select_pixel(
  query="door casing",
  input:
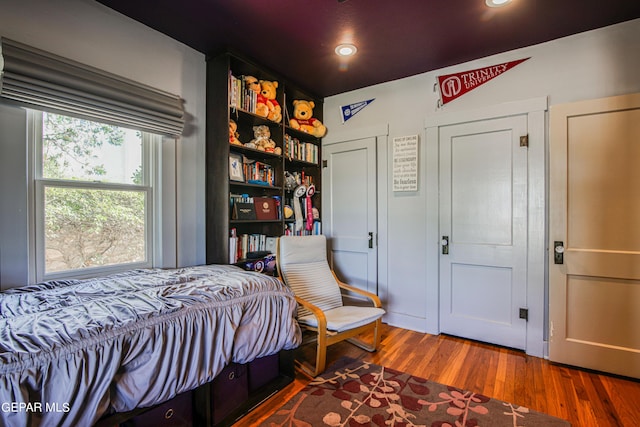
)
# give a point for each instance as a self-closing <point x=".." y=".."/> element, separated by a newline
<point x="350" y="211"/>
<point x="483" y="221"/>
<point x="537" y="300"/>
<point x="595" y="291"/>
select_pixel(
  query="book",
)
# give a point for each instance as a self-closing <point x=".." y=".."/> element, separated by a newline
<point x="248" y="245"/>
<point x="244" y="211"/>
<point x="270" y="244"/>
<point x="265" y="208"/>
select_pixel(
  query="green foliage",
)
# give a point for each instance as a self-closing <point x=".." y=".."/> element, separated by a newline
<point x="69" y="144"/>
<point x="137" y="176"/>
<point x="87" y="227"/>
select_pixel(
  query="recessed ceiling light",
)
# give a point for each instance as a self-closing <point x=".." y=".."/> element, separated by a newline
<point x="346" y="49"/>
<point x="497" y="3"/>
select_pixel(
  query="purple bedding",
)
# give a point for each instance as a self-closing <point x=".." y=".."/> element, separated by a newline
<point x="72" y="351"/>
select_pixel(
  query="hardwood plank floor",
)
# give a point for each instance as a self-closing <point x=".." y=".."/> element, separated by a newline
<point x="582" y="397"/>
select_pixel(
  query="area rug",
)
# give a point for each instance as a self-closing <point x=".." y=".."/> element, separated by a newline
<point x="364" y="394"/>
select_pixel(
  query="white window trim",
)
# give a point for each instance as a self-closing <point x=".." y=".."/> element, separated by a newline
<point x="151" y="158"/>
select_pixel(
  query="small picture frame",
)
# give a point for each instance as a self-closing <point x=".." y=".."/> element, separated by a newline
<point x="236" y="172"/>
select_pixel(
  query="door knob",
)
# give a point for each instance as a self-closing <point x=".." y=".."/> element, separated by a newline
<point x="370" y="240"/>
<point x="558" y="252"/>
<point x="445" y="245"/>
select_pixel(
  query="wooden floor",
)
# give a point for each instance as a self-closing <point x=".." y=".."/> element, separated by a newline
<point x="584" y="398"/>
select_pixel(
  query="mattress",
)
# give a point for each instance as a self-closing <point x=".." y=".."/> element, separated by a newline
<point x="73" y="351"/>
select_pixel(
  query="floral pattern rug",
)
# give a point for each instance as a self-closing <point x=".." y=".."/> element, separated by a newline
<point x="364" y="394"/>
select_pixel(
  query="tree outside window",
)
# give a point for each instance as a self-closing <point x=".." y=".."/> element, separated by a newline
<point x="95" y="194"/>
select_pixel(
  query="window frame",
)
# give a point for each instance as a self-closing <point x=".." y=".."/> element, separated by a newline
<point x="150" y="187"/>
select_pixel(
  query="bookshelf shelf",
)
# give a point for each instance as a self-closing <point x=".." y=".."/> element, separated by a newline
<point x="302" y="160"/>
<point x="254" y="153"/>
<point x="254" y="186"/>
<point x="254" y="221"/>
<point x="301" y="163"/>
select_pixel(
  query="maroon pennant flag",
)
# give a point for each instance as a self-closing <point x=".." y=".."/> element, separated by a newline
<point x="455" y="85"/>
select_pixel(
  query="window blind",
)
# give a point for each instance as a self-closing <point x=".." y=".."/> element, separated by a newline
<point x="41" y="80"/>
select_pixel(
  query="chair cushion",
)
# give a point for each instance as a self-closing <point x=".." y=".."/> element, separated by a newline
<point x="302" y="249"/>
<point x="346" y="317"/>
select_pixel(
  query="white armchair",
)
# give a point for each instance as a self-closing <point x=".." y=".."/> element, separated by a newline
<point x="303" y="266"/>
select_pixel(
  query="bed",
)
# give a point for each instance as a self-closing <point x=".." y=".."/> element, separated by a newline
<point x="73" y="352"/>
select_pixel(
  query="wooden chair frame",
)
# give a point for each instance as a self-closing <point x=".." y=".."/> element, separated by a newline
<point x="326" y="338"/>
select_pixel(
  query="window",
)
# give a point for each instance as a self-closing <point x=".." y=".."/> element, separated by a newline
<point x="93" y="196"/>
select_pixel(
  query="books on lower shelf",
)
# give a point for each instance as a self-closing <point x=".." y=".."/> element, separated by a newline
<point x="239" y="245"/>
<point x="259" y="173"/>
<point x="290" y="230"/>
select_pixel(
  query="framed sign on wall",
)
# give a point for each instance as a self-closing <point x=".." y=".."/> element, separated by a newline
<point x="405" y="163"/>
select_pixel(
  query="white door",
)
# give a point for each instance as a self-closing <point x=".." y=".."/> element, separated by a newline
<point x="483" y="224"/>
<point x="349" y="210"/>
<point x="594" y="213"/>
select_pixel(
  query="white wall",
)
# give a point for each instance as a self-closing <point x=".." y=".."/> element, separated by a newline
<point x="90" y="33"/>
<point x="599" y="63"/>
<point x="595" y="64"/>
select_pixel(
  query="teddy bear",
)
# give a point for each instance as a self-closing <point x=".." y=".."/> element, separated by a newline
<point x="233" y="133"/>
<point x="253" y="84"/>
<point x="263" y="141"/>
<point x="304" y="121"/>
<point x="268" y="92"/>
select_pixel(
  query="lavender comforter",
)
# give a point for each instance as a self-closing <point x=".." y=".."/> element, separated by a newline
<point x="72" y="351"/>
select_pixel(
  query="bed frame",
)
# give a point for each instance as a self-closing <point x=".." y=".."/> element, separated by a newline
<point x="220" y="403"/>
<point x="111" y="357"/>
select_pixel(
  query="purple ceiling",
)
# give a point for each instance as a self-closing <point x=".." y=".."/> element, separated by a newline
<point x="395" y="38"/>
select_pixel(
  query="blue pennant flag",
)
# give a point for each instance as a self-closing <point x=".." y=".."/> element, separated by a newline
<point x="351" y="110"/>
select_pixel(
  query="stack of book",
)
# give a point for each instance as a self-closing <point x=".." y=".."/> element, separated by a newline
<point x="239" y="245"/>
<point x="241" y="97"/>
<point x="298" y="150"/>
<point x="259" y="173"/>
<point x="291" y="231"/>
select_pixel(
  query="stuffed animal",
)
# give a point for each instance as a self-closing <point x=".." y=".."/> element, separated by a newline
<point x="303" y="119"/>
<point x="233" y="134"/>
<point x="253" y="84"/>
<point x="268" y="92"/>
<point x="263" y="141"/>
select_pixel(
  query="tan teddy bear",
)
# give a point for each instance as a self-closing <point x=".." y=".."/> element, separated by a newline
<point x="268" y="92"/>
<point x="303" y="120"/>
<point x="263" y="141"/>
<point x="233" y="134"/>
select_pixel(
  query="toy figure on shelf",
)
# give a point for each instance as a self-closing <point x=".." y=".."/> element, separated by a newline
<point x="268" y="92"/>
<point x="233" y="133"/>
<point x="304" y="121"/>
<point x="263" y="141"/>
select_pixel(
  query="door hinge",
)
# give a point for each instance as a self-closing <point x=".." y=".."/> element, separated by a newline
<point x="324" y="163"/>
<point x="524" y="314"/>
<point x="524" y="141"/>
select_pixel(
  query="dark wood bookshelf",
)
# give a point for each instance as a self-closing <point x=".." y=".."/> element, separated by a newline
<point x="219" y="187"/>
